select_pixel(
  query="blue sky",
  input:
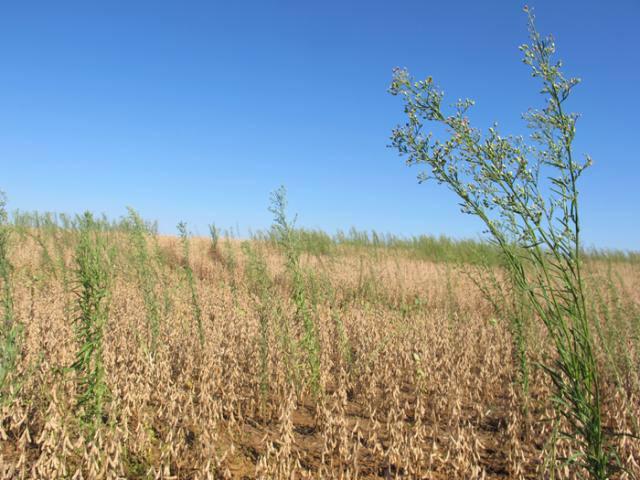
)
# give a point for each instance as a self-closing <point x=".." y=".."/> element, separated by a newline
<point x="196" y="110"/>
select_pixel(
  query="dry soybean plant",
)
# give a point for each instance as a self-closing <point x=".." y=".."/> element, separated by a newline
<point x="414" y="375"/>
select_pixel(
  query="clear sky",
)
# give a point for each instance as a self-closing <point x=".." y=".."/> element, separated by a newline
<point x="196" y="110"/>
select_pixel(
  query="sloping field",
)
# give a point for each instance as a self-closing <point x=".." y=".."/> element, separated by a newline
<point x="363" y="362"/>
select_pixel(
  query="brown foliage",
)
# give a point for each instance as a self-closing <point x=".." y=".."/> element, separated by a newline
<point x="426" y="391"/>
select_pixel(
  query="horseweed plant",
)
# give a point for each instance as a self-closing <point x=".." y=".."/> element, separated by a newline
<point x="61" y="241"/>
<point x="195" y="301"/>
<point x="146" y="276"/>
<point x="214" y="233"/>
<point x="93" y="265"/>
<point x="511" y="303"/>
<point x="260" y="283"/>
<point x="285" y="234"/>
<point x="526" y="195"/>
<point x="10" y="335"/>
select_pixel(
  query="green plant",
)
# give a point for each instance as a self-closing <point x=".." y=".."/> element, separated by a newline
<point x="61" y="240"/>
<point x="344" y="348"/>
<point x="259" y="282"/>
<point x="214" y="233"/>
<point x="195" y="301"/>
<point x="509" y="303"/>
<point x="43" y="226"/>
<point x="11" y="331"/>
<point x="93" y="283"/>
<point x="285" y="234"/>
<point x="616" y="322"/>
<point x="146" y="274"/>
<point x="526" y="195"/>
<point x="160" y="259"/>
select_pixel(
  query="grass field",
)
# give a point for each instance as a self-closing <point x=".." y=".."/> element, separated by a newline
<point x="354" y="356"/>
